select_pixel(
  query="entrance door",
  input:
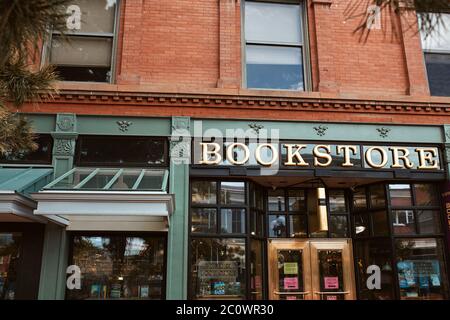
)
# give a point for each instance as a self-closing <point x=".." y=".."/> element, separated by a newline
<point x="311" y="270"/>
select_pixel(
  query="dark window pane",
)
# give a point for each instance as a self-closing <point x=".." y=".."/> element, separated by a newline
<point x="121" y="151"/>
<point x="426" y="195"/>
<point x="218" y="268"/>
<point x="232" y="220"/>
<point x="257" y="269"/>
<point x="438" y="69"/>
<point x="400" y="195"/>
<point x="375" y="252"/>
<point x="337" y="201"/>
<point x="429" y="222"/>
<point x="297" y="226"/>
<point x="421" y="269"/>
<point x="276" y="200"/>
<point x="359" y="199"/>
<point x="204" y="220"/>
<point x="290" y="273"/>
<point x="377" y="196"/>
<point x="257" y="223"/>
<point x="403" y="222"/>
<point x="87" y="74"/>
<point x="362" y="225"/>
<point x="43" y="154"/>
<point x="338" y="226"/>
<point x="119" y="267"/>
<point x="277" y="226"/>
<point x="10" y="248"/>
<point x="380" y="223"/>
<point x="270" y="67"/>
<point x="296" y="200"/>
<point x="232" y="193"/>
<point x="204" y="192"/>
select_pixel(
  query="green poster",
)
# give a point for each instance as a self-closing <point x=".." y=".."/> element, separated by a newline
<point x="290" y="268"/>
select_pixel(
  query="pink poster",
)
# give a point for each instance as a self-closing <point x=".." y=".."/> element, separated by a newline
<point x="291" y="283"/>
<point x="291" y="298"/>
<point x="331" y="282"/>
<point x="331" y="297"/>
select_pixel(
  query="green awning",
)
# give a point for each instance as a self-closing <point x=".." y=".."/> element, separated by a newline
<point x="24" y="180"/>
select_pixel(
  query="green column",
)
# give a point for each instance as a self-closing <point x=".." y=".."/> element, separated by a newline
<point x="64" y="139"/>
<point x="56" y="247"/>
<point x="177" y="249"/>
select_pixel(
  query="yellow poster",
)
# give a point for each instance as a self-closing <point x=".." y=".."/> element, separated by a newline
<point x="290" y="268"/>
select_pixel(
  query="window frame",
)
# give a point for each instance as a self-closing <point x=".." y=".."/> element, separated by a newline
<point x="304" y="45"/>
<point x="46" y="48"/>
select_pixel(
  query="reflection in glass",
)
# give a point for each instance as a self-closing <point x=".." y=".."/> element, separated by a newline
<point x="277" y="226"/>
<point x="297" y="226"/>
<point x="296" y="200"/>
<point x="426" y="195"/>
<point x="338" y="226"/>
<point x="377" y="196"/>
<point x="403" y="222"/>
<point x="421" y="269"/>
<point x="119" y="267"/>
<point x="375" y="252"/>
<point x="359" y="199"/>
<point x="429" y="222"/>
<point x="331" y="274"/>
<point x="337" y="201"/>
<point x="10" y="244"/>
<point x="361" y="223"/>
<point x="204" y="220"/>
<point x="290" y="273"/>
<point x="438" y="70"/>
<point x="232" y="193"/>
<point x="276" y="200"/>
<point x="218" y="268"/>
<point x="232" y="220"/>
<point x="204" y="192"/>
<point x="400" y="195"/>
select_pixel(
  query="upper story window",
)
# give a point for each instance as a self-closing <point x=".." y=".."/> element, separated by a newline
<point x="87" y="55"/>
<point x="436" y="46"/>
<point x="121" y="151"/>
<point x="274" y="45"/>
<point x="42" y="155"/>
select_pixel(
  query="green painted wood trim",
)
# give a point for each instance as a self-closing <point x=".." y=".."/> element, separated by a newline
<point x="42" y="123"/>
<point x="389" y="133"/>
<point x="123" y="126"/>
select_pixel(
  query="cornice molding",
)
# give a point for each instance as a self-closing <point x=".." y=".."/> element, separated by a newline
<point x="248" y="102"/>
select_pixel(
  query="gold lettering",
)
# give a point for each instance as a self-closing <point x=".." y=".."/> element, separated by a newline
<point x="295" y="154"/>
<point x="322" y="155"/>
<point x="396" y="157"/>
<point x="206" y="153"/>
<point x="230" y="153"/>
<point x="383" y="154"/>
<point x="346" y="150"/>
<point x="427" y="158"/>
<point x="274" y="154"/>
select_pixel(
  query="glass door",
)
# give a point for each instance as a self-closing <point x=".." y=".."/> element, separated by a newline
<point x="311" y="270"/>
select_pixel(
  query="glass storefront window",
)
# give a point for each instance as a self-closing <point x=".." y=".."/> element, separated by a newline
<point x="10" y="247"/>
<point x="337" y="201"/>
<point x="298" y="226"/>
<point x="277" y="226"/>
<point x="362" y="225"/>
<point x="204" y="192"/>
<point x="359" y="199"/>
<point x="338" y="226"/>
<point x="426" y="195"/>
<point x="296" y="200"/>
<point x="375" y="252"/>
<point x="218" y="268"/>
<point x="119" y="267"/>
<point x="377" y="196"/>
<point x="429" y="221"/>
<point x="232" y="193"/>
<point x="403" y="222"/>
<point x="290" y="273"/>
<point x="400" y="195"/>
<point x="232" y="220"/>
<point x="380" y="225"/>
<point x="276" y="200"/>
<point x="421" y="269"/>
<point x="204" y="220"/>
<point x="331" y="273"/>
